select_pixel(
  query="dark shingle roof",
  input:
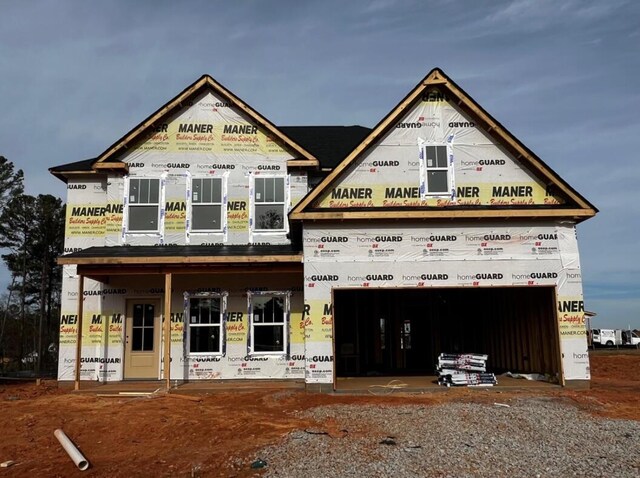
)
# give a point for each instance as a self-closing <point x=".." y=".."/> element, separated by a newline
<point x="187" y="251"/>
<point x="329" y="144"/>
<point x="84" y="165"/>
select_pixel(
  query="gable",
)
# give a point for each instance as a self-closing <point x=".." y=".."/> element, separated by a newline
<point x="487" y="167"/>
<point x="205" y="118"/>
<point x="212" y="134"/>
<point x="389" y="173"/>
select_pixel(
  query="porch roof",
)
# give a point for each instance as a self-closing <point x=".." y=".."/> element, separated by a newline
<point x="100" y="262"/>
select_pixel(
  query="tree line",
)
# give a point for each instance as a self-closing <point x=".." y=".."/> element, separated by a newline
<point x="31" y="239"/>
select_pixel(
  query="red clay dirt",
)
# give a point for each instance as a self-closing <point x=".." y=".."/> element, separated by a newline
<point x="173" y="436"/>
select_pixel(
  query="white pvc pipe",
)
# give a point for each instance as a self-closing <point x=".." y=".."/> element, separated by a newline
<point x="77" y="457"/>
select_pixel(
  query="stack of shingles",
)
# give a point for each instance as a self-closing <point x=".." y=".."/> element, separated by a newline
<point x="464" y="370"/>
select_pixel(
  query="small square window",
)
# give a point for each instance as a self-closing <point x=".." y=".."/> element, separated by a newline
<point x="438" y="176"/>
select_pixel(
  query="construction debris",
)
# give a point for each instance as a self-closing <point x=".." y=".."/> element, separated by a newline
<point x="259" y="463"/>
<point x="464" y="370"/>
<point x="78" y="458"/>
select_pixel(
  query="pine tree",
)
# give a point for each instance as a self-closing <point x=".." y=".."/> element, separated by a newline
<point x="11" y="187"/>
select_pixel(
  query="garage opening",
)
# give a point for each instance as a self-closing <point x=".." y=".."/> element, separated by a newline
<point x="401" y="332"/>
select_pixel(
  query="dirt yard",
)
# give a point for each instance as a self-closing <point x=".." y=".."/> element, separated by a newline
<point x="177" y="436"/>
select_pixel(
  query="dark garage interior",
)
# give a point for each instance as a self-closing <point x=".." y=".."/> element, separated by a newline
<point x="401" y="332"/>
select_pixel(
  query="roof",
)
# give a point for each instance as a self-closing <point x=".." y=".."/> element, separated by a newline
<point x="203" y="83"/>
<point x="108" y="159"/>
<point x="100" y="263"/>
<point x="183" y="254"/>
<point x="436" y="78"/>
<point x="78" y="167"/>
<point x="84" y="165"/>
<point x="330" y="144"/>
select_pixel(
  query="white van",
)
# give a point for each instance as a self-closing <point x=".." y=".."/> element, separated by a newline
<point x="629" y="337"/>
<point x="611" y="337"/>
<point x="606" y="337"/>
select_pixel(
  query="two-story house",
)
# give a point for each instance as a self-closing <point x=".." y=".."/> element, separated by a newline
<point x="317" y="253"/>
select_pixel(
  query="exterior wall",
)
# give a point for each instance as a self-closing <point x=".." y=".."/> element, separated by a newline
<point x="208" y="138"/>
<point x="390" y="174"/>
<point x="86" y="221"/>
<point x="461" y="255"/>
<point x="104" y="327"/>
<point x="231" y="147"/>
<point x="97" y="207"/>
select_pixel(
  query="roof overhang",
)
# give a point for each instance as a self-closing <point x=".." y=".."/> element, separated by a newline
<point x="100" y="263"/>
<point x="576" y="215"/>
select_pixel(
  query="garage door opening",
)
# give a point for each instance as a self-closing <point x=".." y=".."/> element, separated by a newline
<point x="401" y="332"/>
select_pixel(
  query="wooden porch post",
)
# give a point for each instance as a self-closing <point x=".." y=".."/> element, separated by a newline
<point x="167" y="329"/>
<point x="79" y="337"/>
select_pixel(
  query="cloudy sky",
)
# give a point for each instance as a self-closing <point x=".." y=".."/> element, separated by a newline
<point x="560" y="75"/>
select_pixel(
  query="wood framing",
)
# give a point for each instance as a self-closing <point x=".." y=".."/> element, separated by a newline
<point x="167" y="330"/>
<point x="295" y="258"/>
<point x="112" y="166"/>
<point x="79" y="335"/>
<point x="103" y="273"/>
<point x="336" y="214"/>
<point x="307" y="208"/>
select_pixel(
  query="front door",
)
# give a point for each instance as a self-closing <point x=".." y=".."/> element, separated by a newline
<point x="142" y="344"/>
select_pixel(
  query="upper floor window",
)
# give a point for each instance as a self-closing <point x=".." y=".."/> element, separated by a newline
<point x="437" y="170"/>
<point x="206" y="205"/>
<point x="269" y="204"/>
<point x="144" y="205"/>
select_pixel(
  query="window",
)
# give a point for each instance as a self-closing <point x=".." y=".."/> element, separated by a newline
<point x="436" y="169"/>
<point x="206" y="325"/>
<point x="144" y="205"/>
<point x="269" y="323"/>
<point x="206" y="205"/>
<point x="269" y="204"/>
<point x="142" y="328"/>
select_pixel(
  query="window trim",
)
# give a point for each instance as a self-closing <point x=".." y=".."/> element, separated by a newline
<point x="285" y="203"/>
<point x="128" y="204"/>
<point x="424" y="169"/>
<point x="223" y="206"/>
<point x="222" y="325"/>
<point x="285" y="324"/>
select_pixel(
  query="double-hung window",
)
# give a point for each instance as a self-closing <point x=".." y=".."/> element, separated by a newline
<point x="269" y="203"/>
<point x="144" y="205"/>
<point x="205" y="332"/>
<point x="206" y="205"/>
<point x="269" y="331"/>
<point x="438" y="176"/>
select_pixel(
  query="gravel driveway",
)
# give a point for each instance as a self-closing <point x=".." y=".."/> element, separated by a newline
<point x="533" y="437"/>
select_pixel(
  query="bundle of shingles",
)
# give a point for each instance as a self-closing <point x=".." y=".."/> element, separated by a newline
<point x="464" y="370"/>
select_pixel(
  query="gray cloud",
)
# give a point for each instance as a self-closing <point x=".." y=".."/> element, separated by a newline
<point x="561" y="75"/>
